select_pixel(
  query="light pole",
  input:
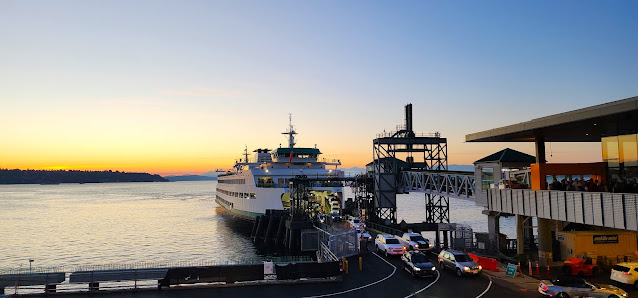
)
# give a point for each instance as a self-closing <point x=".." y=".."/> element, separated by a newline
<point x="30" y="261"/>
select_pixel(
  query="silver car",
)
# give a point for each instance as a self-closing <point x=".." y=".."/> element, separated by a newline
<point x="577" y="287"/>
<point x="458" y="261"/>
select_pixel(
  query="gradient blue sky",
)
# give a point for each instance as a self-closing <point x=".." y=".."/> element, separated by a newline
<point x="175" y="87"/>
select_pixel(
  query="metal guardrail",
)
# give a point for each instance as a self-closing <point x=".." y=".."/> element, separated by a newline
<point x="122" y="272"/>
<point x="341" y="244"/>
<point x="451" y="184"/>
<point x="612" y="210"/>
<point x="383" y="229"/>
<point x="326" y="254"/>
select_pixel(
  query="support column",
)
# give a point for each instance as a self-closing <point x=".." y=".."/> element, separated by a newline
<point x="545" y="241"/>
<point x="94" y="286"/>
<point x="48" y="289"/>
<point x="445" y="243"/>
<point x="520" y="234"/>
<point x="540" y="149"/>
<point x="493" y="228"/>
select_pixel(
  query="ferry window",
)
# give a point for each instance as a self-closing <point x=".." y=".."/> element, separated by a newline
<point x="252" y="195"/>
<point x="280" y="180"/>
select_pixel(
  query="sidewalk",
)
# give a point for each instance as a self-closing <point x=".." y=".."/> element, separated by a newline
<point x="520" y="283"/>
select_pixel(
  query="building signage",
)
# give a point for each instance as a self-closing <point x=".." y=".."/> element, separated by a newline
<point x="605" y="239"/>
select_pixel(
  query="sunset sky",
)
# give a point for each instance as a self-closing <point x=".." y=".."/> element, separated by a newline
<point x="177" y="87"/>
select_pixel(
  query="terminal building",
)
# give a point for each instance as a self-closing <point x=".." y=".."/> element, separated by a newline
<point x="576" y="208"/>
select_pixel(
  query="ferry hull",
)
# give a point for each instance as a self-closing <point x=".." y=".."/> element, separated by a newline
<point x="245" y="215"/>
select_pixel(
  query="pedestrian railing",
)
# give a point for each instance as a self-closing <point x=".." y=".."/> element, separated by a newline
<point x="612" y="210"/>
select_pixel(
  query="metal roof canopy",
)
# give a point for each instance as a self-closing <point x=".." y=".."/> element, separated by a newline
<point x="583" y="125"/>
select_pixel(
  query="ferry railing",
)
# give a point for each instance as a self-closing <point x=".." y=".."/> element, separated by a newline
<point x="311" y="184"/>
<point x="388" y="134"/>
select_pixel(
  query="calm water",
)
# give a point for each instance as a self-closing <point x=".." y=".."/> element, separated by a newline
<point x="411" y="208"/>
<point x="93" y="224"/>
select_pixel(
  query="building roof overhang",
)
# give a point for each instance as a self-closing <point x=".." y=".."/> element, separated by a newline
<point x="583" y="125"/>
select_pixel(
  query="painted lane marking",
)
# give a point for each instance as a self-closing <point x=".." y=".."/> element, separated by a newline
<point x="394" y="269"/>
<point x="421" y="290"/>
<point x="488" y="287"/>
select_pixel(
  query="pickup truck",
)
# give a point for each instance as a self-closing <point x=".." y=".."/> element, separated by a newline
<point x="414" y="241"/>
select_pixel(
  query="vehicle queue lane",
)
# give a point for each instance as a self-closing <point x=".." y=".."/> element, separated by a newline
<point x="379" y="277"/>
<point x="450" y="285"/>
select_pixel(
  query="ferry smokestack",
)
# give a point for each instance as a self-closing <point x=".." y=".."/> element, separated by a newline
<point x="408" y="117"/>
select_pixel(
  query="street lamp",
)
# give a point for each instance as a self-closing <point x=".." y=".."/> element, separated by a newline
<point x="30" y="261"/>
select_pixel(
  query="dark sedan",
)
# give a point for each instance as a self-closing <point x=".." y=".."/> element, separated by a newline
<point x="417" y="264"/>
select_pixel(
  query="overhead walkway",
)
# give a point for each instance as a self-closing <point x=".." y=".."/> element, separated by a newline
<point x="454" y="184"/>
<point x="611" y="210"/>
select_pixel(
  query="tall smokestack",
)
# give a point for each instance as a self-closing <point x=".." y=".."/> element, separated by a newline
<point x="408" y="117"/>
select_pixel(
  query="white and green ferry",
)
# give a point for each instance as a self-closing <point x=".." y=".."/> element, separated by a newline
<point x="262" y="182"/>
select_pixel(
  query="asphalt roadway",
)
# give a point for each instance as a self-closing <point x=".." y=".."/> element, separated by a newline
<point x="379" y="277"/>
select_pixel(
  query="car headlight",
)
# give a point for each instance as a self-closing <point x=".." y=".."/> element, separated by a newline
<point x="417" y="269"/>
<point x="433" y="268"/>
<point x="466" y="268"/>
<point x="416" y="246"/>
<point x="480" y="267"/>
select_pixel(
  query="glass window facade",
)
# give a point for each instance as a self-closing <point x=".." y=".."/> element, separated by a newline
<point x="621" y="155"/>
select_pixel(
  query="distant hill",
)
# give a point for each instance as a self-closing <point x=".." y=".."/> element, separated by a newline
<point x="190" y="178"/>
<point x="214" y="173"/>
<point x="16" y="176"/>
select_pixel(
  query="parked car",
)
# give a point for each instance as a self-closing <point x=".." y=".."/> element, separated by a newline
<point x="458" y="261"/>
<point x="366" y="235"/>
<point x="417" y="264"/>
<point x="625" y="273"/>
<point x="414" y="241"/>
<point x="577" y="287"/>
<point x="388" y="244"/>
<point x="579" y="266"/>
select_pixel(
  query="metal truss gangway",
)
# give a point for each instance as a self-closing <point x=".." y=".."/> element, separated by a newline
<point x="453" y="184"/>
